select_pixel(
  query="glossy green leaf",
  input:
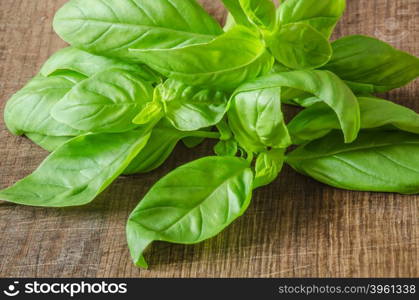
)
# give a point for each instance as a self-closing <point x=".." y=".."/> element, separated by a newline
<point x="214" y="65"/>
<point x="318" y="120"/>
<point x="300" y="46"/>
<point x="47" y="142"/>
<point x="106" y="102"/>
<point x="191" y="108"/>
<point x="380" y="161"/>
<point x="295" y="97"/>
<point x="163" y="139"/>
<point x="262" y="13"/>
<point x="28" y="111"/>
<point x="307" y="102"/>
<point x="236" y="15"/>
<point x="301" y="100"/>
<point x="226" y="148"/>
<point x="370" y="65"/>
<point x="192" y="142"/>
<point x="321" y="14"/>
<point x="229" y="23"/>
<point x="111" y="27"/>
<point x="279" y="68"/>
<point x="268" y="166"/>
<point x="73" y="59"/>
<point x="78" y="171"/>
<point x="325" y="86"/>
<point x="191" y="204"/>
<point x="256" y="119"/>
<point x="224" y="130"/>
<point x="160" y="145"/>
<point x="152" y="111"/>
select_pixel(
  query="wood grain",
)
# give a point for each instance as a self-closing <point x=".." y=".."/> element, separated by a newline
<point x="294" y="227"/>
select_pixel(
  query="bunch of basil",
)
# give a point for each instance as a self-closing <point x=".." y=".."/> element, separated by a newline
<point x="142" y="75"/>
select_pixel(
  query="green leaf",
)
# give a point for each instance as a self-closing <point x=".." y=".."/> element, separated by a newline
<point x="78" y="171"/>
<point x="318" y="120"/>
<point x="229" y="23"/>
<point x="193" y="203"/>
<point x="295" y="97"/>
<point x="261" y="13"/>
<point x="370" y="65"/>
<point x="256" y="119"/>
<point x="279" y="68"/>
<point x="224" y="130"/>
<point x="28" y="111"/>
<point x="226" y="148"/>
<point x="111" y="27"/>
<point x="322" y="15"/>
<point x="213" y="65"/>
<point x="236" y="15"/>
<point x="152" y="111"/>
<point x="163" y="139"/>
<point x="325" y="86"/>
<point x="73" y="59"/>
<point x="300" y="46"/>
<point x="380" y="161"/>
<point x="106" y="102"/>
<point x="191" y="108"/>
<point x="160" y="145"/>
<point x="306" y="102"/>
<point x="192" y="142"/>
<point x="47" y="142"/>
<point x="268" y="166"/>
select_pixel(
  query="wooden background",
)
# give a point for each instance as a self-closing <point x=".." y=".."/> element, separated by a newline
<point x="295" y="227"/>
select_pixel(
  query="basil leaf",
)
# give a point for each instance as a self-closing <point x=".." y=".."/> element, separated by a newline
<point x="226" y="148"/>
<point x="307" y="102"/>
<point x="111" y="27"/>
<point x="214" y="65"/>
<point x="47" y="142"/>
<point x="106" y="102"/>
<point x="256" y="119"/>
<point x="300" y="46"/>
<point x="322" y="15"/>
<point x="371" y="64"/>
<point x="73" y="59"/>
<point x="229" y="23"/>
<point x="279" y="68"/>
<point x="268" y="166"/>
<point x="236" y="15"/>
<point x="78" y="171"/>
<point x="28" y="111"/>
<point x="163" y="139"/>
<point x="191" y="108"/>
<point x="261" y="13"/>
<point x="192" y="142"/>
<point x="325" y="86"/>
<point x="224" y="130"/>
<point x="191" y="204"/>
<point x="59" y="76"/>
<point x="318" y="120"/>
<point x="250" y="13"/>
<point x="160" y="145"/>
<point x="379" y="161"/>
<point x="152" y="111"/>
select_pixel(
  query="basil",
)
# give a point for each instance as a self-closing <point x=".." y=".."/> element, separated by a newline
<point x="142" y="75"/>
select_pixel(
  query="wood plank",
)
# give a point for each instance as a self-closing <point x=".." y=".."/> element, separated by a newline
<point x="294" y="227"/>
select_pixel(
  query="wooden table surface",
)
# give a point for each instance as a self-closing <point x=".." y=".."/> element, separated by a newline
<point x="295" y="227"/>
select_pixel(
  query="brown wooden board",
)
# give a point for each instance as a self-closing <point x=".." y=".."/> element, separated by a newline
<point x="294" y="227"/>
